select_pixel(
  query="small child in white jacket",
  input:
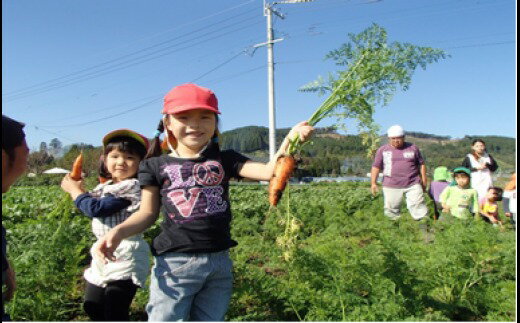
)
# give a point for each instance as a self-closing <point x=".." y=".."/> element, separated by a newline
<point x="111" y="287"/>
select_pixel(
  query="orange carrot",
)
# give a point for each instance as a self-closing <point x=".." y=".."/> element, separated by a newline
<point x="77" y="167"/>
<point x="283" y="170"/>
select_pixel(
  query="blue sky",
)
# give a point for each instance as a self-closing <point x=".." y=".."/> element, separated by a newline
<point x="76" y="70"/>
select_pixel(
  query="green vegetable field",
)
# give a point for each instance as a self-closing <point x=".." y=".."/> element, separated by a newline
<point x="326" y="253"/>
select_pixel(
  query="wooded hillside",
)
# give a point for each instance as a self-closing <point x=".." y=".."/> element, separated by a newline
<point x="328" y="154"/>
<point x="333" y="154"/>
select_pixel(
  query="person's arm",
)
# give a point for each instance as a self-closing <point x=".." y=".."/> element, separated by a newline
<point x="505" y="204"/>
<point x="467" y="163"/>
<point x="100" y="207"/>
<point x="10" y="283"/>
<point x="74" y="188"/>
<point x="443" y="198"/>
<point x="136" y="223"/>
<point x="263" y="172"/>
<point x="476" y="205"/>
<point x="493" y="166"/>
<point x="374" y="174"/>
<point x="424" y="179"/>
<point x="429" y="191"/>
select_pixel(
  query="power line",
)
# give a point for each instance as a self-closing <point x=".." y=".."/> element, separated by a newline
<point x="225" y="78"/>
<point x="104" y="109"/>
<point x="115" y="68"/>
<point x="140" y="106"/>
<point x="439" y="8"/>
<point x="217" y="67"/>
<point x="192" y="22"/>
<point x="483" y="44"/>
<point x="127" y="55"/>
<point x="81" y="76"/>
<point x="156" y="98"/>
<point x="55" y="134"/>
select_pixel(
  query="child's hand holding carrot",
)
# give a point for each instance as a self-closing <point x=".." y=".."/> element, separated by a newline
<point x="302" y="130"/>
<point x="284" y="162"/>
<point x="73" y="187"/>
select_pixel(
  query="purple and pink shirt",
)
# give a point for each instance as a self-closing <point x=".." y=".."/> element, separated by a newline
<point x="194" y="198"/>
<point x="400" y="166"/>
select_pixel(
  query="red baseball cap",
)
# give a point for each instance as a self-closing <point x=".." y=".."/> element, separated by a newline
<point x="126" y="133"/>
<point x="189" y="96"/>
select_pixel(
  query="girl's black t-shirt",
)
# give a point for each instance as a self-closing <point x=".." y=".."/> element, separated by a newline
<point x="195" y="199"/>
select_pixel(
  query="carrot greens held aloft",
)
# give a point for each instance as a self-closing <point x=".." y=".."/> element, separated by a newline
<point x="373" y="71"/>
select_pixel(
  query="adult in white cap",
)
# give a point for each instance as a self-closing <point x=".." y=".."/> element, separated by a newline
<point x="404" y="174"/>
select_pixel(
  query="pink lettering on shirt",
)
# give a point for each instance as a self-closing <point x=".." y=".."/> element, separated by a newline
<point x="175" y="175"/>
<point x="185" y="195"/>
<point x="183" y="204"/>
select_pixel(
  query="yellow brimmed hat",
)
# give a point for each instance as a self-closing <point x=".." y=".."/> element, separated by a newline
<point x="126" y="133"/>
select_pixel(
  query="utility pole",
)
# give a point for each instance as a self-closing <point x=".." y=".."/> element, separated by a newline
<point x="269" y="10"/>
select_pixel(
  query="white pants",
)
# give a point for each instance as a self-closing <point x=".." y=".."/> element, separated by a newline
<point x="414" y="201"/>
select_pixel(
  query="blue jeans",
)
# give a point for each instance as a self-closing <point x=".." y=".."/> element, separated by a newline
<point x="190" y="286"/>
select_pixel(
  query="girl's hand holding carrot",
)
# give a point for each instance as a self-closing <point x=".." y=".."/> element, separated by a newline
<point x="302" y="130"/>
<point x="73" y="187"/>
<point x="285" y="162"/>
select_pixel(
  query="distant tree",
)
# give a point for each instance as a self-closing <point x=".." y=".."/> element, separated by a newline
<point x="43" y="146"/>
<point x="90" y="158"/>
<point x="39" y="161"/>
<point x="55" y="146"/>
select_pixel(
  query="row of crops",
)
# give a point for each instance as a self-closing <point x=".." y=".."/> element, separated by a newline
<point x="326" y="253"/>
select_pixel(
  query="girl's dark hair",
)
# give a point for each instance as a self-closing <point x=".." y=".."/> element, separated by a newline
<point x="155" y="145"/>
<point x="499" y="191"/>
<point x="12" y="136"/>
<point x="478" y="140"/>
<point x="123" y="144"/>
<point x="154" y="149"/>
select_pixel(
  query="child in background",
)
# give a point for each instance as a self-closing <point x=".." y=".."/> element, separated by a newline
<point x="441" y="180"/>
<point x="459" y="200"/>
<point x="192" y="277"/>
<point x="509" y="200"/>
<point x="489" y="205"/>
<point x="111" y="287"/>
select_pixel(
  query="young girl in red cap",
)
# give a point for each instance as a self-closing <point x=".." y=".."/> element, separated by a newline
<point x="192" y="276"/>
<point x="111" y="287"/>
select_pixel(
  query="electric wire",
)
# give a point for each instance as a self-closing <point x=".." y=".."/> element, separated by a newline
<point x="73" y="79"/>
<point x="127" y="55"/>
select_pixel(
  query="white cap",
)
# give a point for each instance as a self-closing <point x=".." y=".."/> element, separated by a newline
<point x="395" y="131"/>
